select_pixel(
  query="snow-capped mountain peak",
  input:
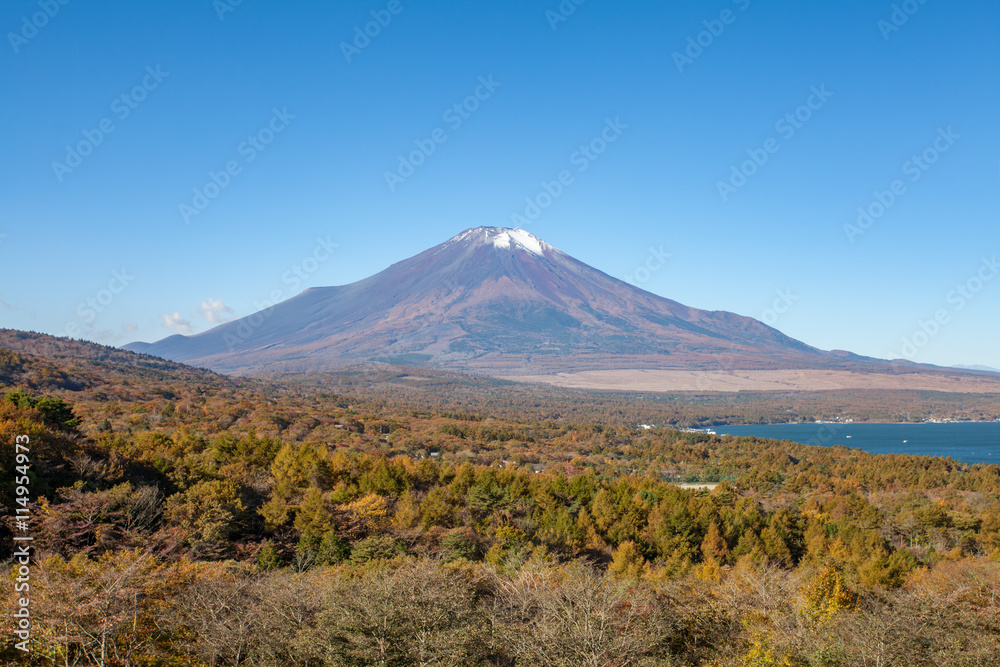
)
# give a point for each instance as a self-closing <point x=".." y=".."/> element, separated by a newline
<point x="494" y="300"/>
<point x="505" y="237"/>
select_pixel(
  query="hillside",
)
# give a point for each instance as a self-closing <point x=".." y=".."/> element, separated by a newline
<point x="43" y="361"/>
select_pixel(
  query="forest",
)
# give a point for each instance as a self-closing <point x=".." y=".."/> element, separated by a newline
<point x="181" y="517"/>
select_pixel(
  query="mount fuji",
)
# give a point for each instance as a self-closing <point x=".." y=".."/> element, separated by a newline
<point x="496" y="301"/>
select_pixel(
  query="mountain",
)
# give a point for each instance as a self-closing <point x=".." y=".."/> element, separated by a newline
<point x="496" y="301"/>
<point x="977" y="367"/>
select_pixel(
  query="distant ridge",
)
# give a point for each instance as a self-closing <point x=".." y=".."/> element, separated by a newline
<point x="977" y="367"/>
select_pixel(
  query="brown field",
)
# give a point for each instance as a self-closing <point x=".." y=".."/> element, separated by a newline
<point x="772" y="380"/>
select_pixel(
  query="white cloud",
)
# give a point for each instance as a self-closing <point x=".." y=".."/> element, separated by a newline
<point x="129" y="327"/>
<point x="215" y="311"/>
<point x="4" y="305"/>
<point x="177" y="323"/>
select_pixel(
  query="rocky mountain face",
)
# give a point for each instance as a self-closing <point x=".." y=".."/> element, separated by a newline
<point x="497" y="301"/>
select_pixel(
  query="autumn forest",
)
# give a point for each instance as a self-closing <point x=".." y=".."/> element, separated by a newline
<point x="385" y="516"/>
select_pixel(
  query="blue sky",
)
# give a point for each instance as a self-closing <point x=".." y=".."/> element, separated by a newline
<point x="114" y="243"/>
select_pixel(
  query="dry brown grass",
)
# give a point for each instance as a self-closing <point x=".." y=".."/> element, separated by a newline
<point x="771" y="380"/>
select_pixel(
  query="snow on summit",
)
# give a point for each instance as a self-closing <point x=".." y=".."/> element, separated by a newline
<point x="519" y="237"/>
<point x="504" y="237"/>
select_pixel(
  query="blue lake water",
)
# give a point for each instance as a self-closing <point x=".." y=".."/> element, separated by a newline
<point x="969" y="442"/>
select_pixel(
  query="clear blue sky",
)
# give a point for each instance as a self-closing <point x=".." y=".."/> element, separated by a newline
<point x="196" y="86"/>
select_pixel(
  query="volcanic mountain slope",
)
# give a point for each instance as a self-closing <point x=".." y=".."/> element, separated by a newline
<point x="497" y="301"/>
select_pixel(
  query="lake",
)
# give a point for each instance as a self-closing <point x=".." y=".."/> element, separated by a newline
<point x="970" y="442"/>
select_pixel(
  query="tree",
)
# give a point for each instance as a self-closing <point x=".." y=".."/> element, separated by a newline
<point x="557" y="529"/>
<point x="207" y="514"/>
<point x="628" y="562"/>
<point x="749" y="545"/>
<point x="297" y="466"/>
<point x="105" y="611"/>
<point x="313" y="515"/>
<point x="368" y="514"/>
<point x="774" y="546"/>
<point x="826" y="595"/>
<point x="885" y="632"/>
<point x="714" y="546"/>
<point x="459" y="544"/>
<point x="214" y="617"/>
<point x="55" y="412"/>
<point x="577" y="617"/>
<point x="267" y="557"/>
<point x="418" y="614"/>
<point x="284" y="611"/>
